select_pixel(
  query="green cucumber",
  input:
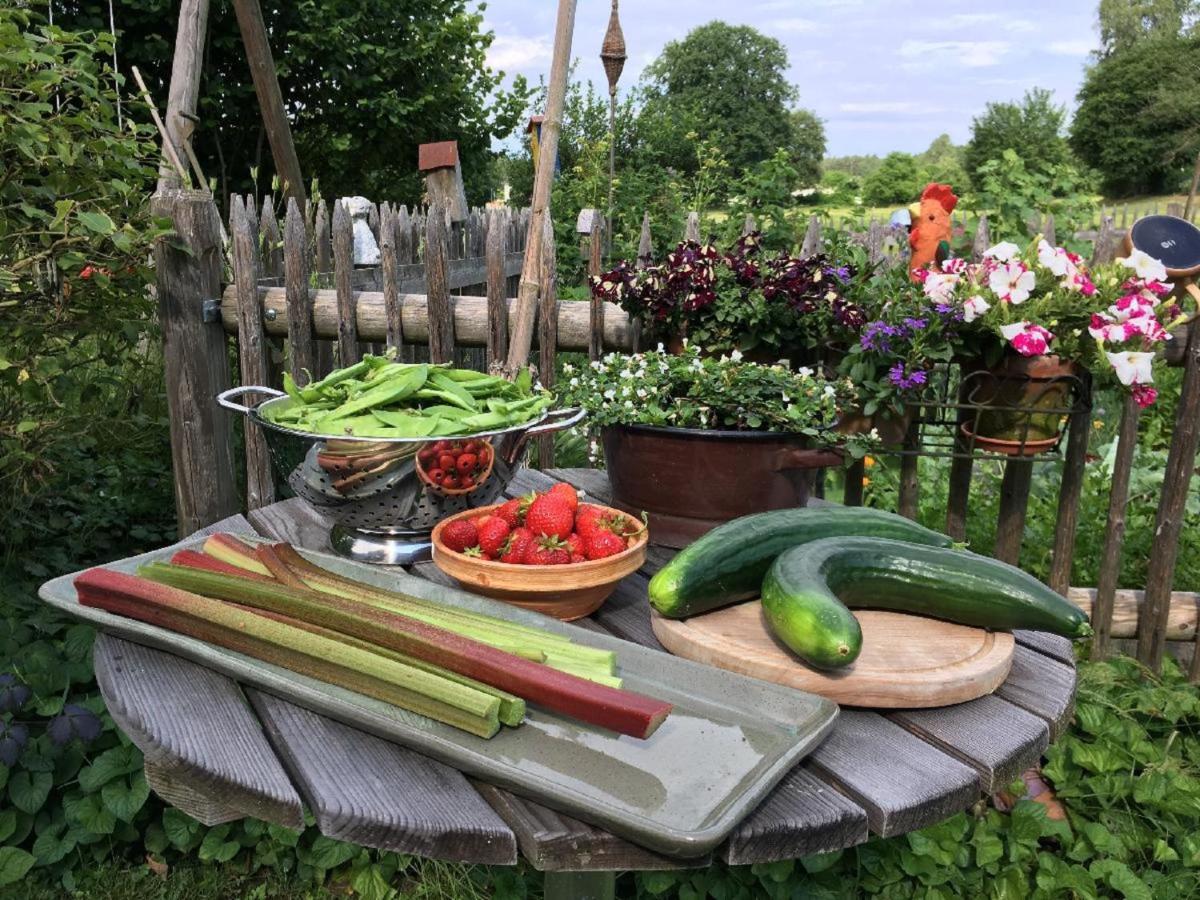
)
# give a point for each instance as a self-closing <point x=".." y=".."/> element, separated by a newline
<point x="806" y="592"/>
<point x="728" y="564"/>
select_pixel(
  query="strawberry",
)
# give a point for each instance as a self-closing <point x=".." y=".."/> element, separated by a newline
<point x="549" y="515"/>
<point x="586" y="518"/>
<point x="493" y="532"/>
<point x="460" y="534"/>
<point x="577" y="546"/>
<point x="517" y="545"/>
<point x="511" y="512"/>
<point x="568" y="493"/>
<point x="547" y="551"/>
<point x="604" y="543"/>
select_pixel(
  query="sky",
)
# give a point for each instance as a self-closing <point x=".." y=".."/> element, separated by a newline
<point x="884" y="75"/>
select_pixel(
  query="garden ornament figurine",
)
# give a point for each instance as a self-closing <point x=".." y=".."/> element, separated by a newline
<point x="366" y="250"/>
<point x="930" y="236"/>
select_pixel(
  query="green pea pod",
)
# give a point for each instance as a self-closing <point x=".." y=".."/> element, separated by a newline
<point x="407" y="424"/>
<point x="447" y="427"/>
<point x="464" y="375"/>
<point x="453" y="399"/>
<point x="390" y="391"/>
<point x="316" y="391"/>
<point x="443" y="382"/>
<point x="485" y="421"/>
<point x="446" y="412"/>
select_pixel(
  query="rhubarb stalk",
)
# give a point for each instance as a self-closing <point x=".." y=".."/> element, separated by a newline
<point x="597" y="704"/>
<point x="289" y="647"/>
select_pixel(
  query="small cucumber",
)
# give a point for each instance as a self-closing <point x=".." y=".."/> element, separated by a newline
<point x="727" y="564"/>
<point x="806" y="592"/>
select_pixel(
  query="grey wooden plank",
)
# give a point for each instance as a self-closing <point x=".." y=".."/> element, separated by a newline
<point x="370" y="791"/>
<point x="1044" y="687"/>
<point x="1052" y="645"/>
<point x="902" y="782"/>
<point x="995" y="738"/>
<point x="656" y="558"/>
<point x="294" y="521"/>
<point x="526" y="480"/>
<point x="553" y="842"/>
<point x="627" y="612"/>
<point x="226" y="764"/>
<point x="803" y="815"/>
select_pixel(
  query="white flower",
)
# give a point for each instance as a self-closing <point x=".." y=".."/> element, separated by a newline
<point x="1146" y="266"/>
<point x="610" y="394"/>
<point x="829" y="390"/>
<point x="1002" y="252"/>
<point x="1012" y="282"/>
<point x="805" y="372"/>
<point x="736" y="355"/>
<point x="661" y="348"/>
<point x="975" y="307"/>
<point x="873" y="434"/>
<point x="940" y="286"/>
<point x="1053" y="258"/>
<point x="575" y="382"/>
<point x="1132" y="367"/>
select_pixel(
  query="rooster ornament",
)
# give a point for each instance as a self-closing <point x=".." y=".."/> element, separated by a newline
<point x="930" y="235"/>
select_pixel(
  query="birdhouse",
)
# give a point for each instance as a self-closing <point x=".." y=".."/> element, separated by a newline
<point x="443" y="178"/>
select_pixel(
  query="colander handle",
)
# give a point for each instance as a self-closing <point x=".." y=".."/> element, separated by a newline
<point x="225" y="398"/>
<point x="574" y="415"/>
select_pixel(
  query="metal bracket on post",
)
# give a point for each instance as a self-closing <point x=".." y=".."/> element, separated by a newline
<point x="211" y="311"/>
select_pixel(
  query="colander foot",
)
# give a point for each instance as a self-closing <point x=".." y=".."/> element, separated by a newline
<point x="380" y="549"/>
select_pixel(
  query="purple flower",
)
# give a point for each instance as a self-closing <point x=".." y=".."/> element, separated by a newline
<point x="875" y="336"/>
<point x="914" y="324"/>
<point x="903" y="381"/>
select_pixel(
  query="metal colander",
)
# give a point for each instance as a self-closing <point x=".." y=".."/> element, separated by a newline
<point x="379" y="491"/>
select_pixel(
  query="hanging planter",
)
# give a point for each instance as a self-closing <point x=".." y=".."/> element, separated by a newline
<point x="1022" y="403"/>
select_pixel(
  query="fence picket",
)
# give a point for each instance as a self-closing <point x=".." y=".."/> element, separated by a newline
<point x="389" y="267"/>
<point x="343" y="280"/>
<point x="441" y="319"/>
<point x="497" y="300"/>
<point x="301" y="353"/>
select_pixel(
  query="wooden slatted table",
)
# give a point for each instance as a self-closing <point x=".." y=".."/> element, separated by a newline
<point x="220" y="751"/>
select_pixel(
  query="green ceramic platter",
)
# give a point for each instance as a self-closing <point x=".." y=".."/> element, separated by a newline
<point x="726" y="744"/>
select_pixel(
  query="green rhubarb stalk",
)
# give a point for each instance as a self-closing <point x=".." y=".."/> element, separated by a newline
<point x="296" y="649"/>
<point x="622" y="711"/>
<point x="229" y="549"/>
<point x="512" y="707"/>
<point x="573" y="668"/>
<point x="481" y="627"/>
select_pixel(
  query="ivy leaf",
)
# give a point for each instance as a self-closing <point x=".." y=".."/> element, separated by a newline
<point x="29" y="790"/>
<point x="8" y="824"/>
<point x="52" y="845"/>
<point x="1121" y="878"/>
<point x="123" y="798"/>
<point x="89" y="812"/>
<point x="14" y="864"/>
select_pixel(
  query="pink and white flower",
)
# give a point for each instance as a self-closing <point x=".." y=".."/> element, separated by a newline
<point x="974" y="307"/>
<point x="956" y="265"/>
<point x="940" y="286"/>
<point x="1146" y="266"/>
<point x="1012" y="282"/>
<point x="1132" y="366"/>
<point x="1054" y="258"/>
<point x="1027" y="338"/>
<point x="1004" y="252"/>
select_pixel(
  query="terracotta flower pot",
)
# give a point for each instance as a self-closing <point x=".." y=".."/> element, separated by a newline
<point x="1025" y="398"/>
<point x="688" y="481"/>
<point x="891" y="426"/>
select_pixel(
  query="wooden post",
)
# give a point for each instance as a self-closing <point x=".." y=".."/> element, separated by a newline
<point x="691" y="231"/>
<point x="812" y="244"/>
<point x="1114" y="534"/>
<point x="1105" y="246"/>
<point x="982" y="240"/>
<point x="1168" y="522"/>
<point x="272" y="241"/>
<point x="547" y="332"/>
<point x="1014" y="499"/>
<point x="497" y="302"/>
<point x="260" y="489"/>
<point x="749" y="226"/>
<point x="301" y="351"/>
<point x="270" y="98"/>
<point x="963" y="462"/>
<point x="907" y="501"/>
<point x="323" y="267"/>
<point x="186" y="65"/>
<point x="853" y="493"/>
<point x="596" y="339"/>
<point x="343" y="279"/>
<point x="196" y="359"/>
<point x="1071" y="487"/>
<point x="645" y="255"/>
<point x="443" y="178"/>
<point x="441" y="320"/>
<point x="527" y="293"/>
<point x="390" y="266"/>
<point x="1048" y="230"/>
<point x="1191" y="197"/>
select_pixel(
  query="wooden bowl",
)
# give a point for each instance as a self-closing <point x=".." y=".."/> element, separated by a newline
<point x="565" y="592"/>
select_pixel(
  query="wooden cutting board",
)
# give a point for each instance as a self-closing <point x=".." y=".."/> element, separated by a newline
<point x="906" y="661"/>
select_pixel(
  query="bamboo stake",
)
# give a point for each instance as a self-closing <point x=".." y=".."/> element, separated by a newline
<point x="168" y="144"/>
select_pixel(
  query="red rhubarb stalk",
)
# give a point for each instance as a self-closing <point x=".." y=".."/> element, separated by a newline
<point x="619" y="710"/>
<point x="194" y="559"/>
<point x="228" y="548"/>
<point x="268" y="557"/>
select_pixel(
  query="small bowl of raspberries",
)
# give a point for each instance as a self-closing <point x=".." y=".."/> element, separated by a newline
<point x="546" y="551"/>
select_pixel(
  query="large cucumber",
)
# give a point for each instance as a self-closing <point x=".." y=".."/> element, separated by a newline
<point x="807" y="589"/>
<point x="728" y="564"/>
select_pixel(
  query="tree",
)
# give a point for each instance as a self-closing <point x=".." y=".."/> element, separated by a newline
<point x="897" y="180"/>
<point x="1033" y="128"/>
<point x="943" y="162"/>
<point x="807" y="147"/>
<point x="1125" y="22"/>
<point x="364" y="82"/>
<point x="725" y="83"/>
<point x="1138" y="119"/>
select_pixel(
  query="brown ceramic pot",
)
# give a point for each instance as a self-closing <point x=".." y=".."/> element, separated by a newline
<point x="688" y="481"/>
<point x="1025" y="398"/>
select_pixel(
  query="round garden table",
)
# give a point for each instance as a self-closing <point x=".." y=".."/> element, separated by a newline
<point x="220" y="751"/>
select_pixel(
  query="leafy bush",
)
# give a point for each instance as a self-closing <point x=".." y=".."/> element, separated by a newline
<point x="897" y="180"/>
<point x="1016" y="199"/>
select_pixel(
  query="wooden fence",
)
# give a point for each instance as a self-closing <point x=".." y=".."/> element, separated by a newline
<point x="443" y="290"/>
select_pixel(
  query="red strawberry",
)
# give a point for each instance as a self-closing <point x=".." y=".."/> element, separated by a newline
<point x="577" y="547"/>
<point x="517" y="545"/>
<point x="512" y="512"/>
<point x="586" y="518"/>
<point x="547" y="551"/>
<point x="460" y="534"/>
<point x="466" y="463"/>
<point x="493" y="532"/>
<point x="604" y="543"/>
<point x="568" y="493"/>
<point x="549" y="515"/>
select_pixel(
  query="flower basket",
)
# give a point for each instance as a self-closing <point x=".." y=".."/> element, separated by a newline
<point x="1021" y="403"/>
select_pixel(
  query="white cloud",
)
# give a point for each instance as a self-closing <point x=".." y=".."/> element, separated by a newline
<point x="795" y="25"/>
<point x="1079" y="47"/>
<point x="513" y="53"/>
<point x="989" y="20"/>
<point x="887" y="106"/>
<point x="970" y="54"/>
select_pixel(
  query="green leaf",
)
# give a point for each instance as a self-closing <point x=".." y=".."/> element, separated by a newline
<point x="97" y="222"/>
<point x="89" y="812"/>
<point x="988" y="847"/>
<point x="8" y="824"/>
<point x="28" y="790"/>
<point x="14" y="864"/>
<point x="123" y="798"/>
<point x="326" y="853"/>
<point x="216" y="848"/>
<point x="180" y="828"/>
<point x="1121" y="878"/>
<point x="110" y="764"/>
<point x="52" y="845"/>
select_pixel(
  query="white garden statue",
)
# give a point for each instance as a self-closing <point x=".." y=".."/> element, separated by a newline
<point x="366" y="250"/>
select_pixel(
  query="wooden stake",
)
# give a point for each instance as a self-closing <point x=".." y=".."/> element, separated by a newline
<point x="168" y="145"/>
<point x="184" y="91"/>
<point x="1114" y="533"/>
<point x="527" y="293"/>
<point x="1191" y="197"/>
